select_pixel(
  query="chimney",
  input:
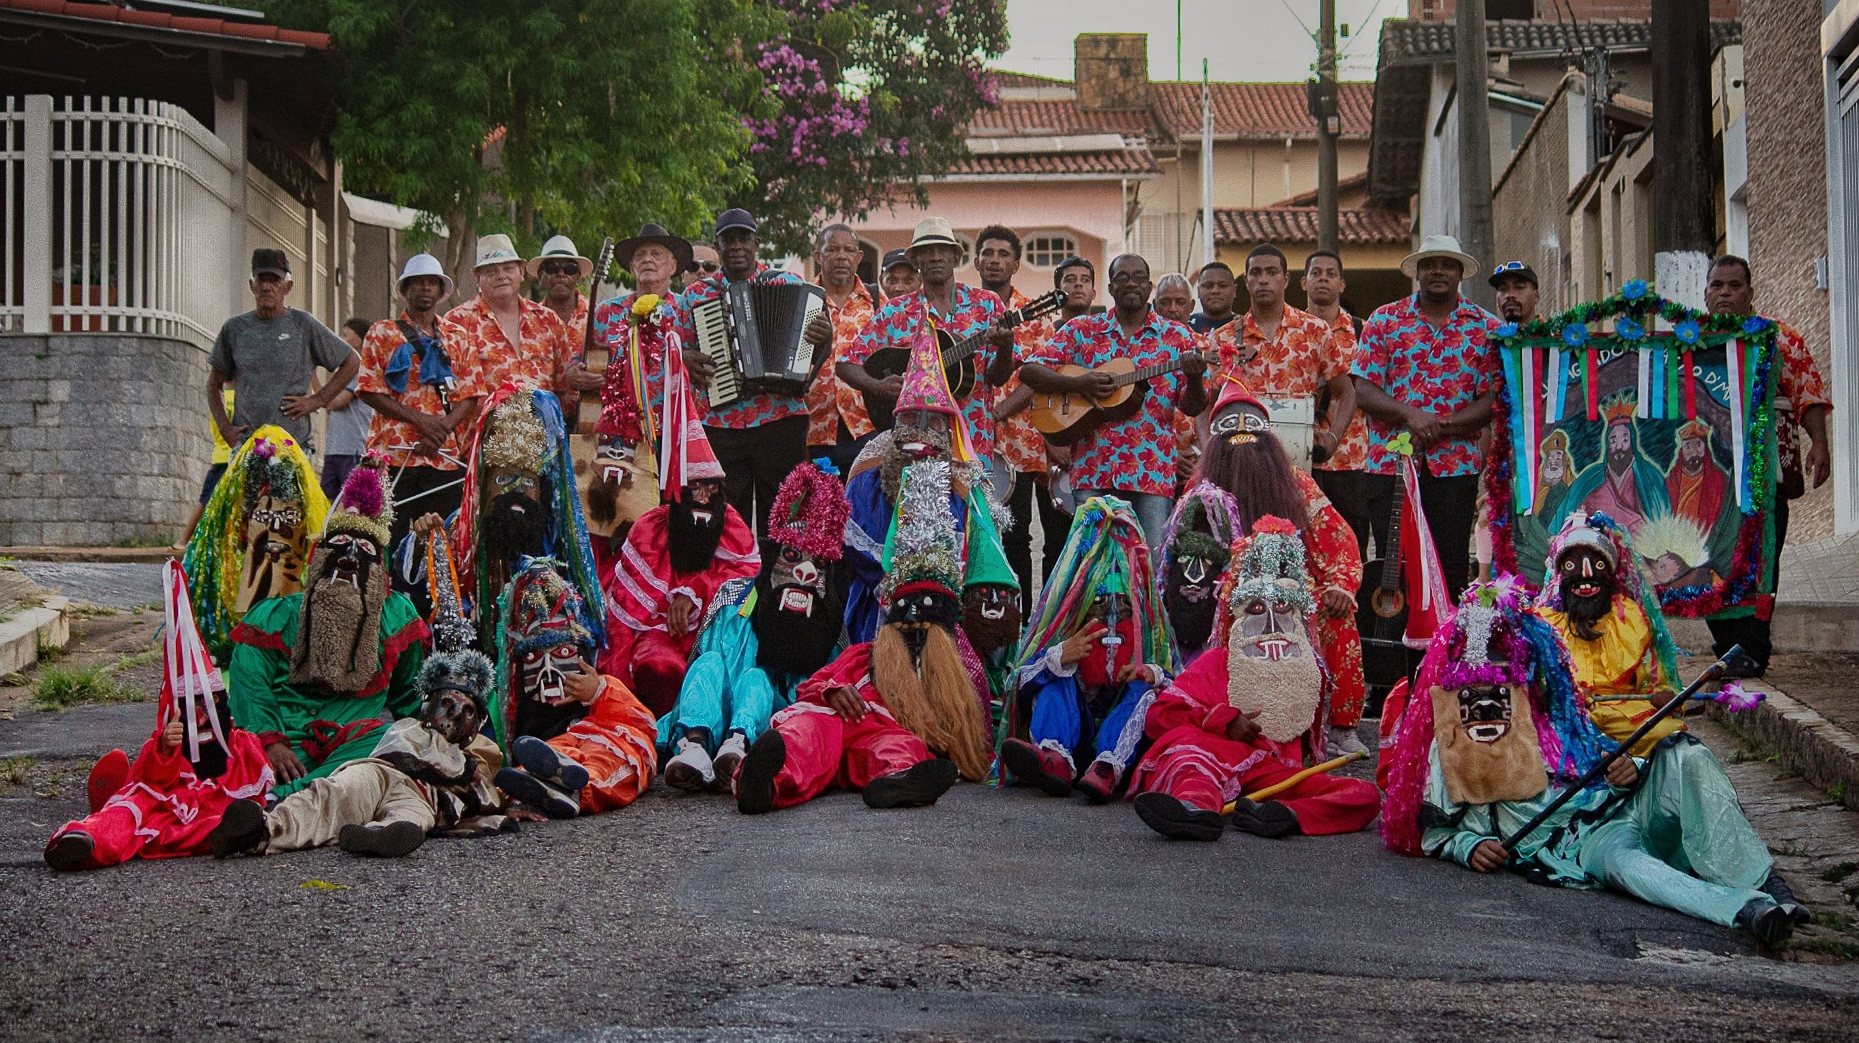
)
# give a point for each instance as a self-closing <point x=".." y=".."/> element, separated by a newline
<point x="1111" y="70"/>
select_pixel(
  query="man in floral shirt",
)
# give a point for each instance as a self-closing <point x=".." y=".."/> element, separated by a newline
<point x="1132" y="458"/>
<point x="959" y="310"/>
<point x="1341" y="477"/>
<point x="761" y="436"/>
<point x="837" y="426"/>
<point x="1729" y="291"/>
<point x="519" y="342"/>
<point x="1424" y="366"/>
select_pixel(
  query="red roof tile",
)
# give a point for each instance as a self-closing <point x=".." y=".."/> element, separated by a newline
<point x="1133" y="160"/>
<point x="1056" y="117"/>
<point x="1298" y="224"/>
<point x="156" y="20"/>
<point x="1262" y="110"/>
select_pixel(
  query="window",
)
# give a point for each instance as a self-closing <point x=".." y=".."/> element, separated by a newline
<point x="1046" y="251"/>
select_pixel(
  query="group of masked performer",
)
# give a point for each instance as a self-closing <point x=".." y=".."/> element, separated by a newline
<point x="872" y="640"/>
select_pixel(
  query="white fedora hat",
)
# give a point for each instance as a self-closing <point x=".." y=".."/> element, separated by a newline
<point x="934" y="231"/>
<point x="495" y="248"/>
<point x="559" y="248"/>
<point x="424" y="264"/>
<point x="1438" y="246"/>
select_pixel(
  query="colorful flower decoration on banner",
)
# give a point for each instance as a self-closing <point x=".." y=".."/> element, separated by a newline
<point x="1575" y="334"/>
<point x="1634" y="289"/>
<point x="1687" y="331"/>
<point x="1627" y="329"/>
<point x="1509" y="329"/>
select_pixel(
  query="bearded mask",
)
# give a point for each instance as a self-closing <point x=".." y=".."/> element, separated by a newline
<point x="797" y="615"/>
<point x="1587" y="585"/>
<point x="919" y="435"/>
<point x="918" y="669"/>
<point x="619" y="488"/>
<point x="274" y="544"/>
<point x="1273" y="675"/>
<point x="1488" y="749"/>
<point x="339" y="624"/>
<point x="515" y="524"/>
<point x="991" y="617"/>
<point x="695" y="527"/>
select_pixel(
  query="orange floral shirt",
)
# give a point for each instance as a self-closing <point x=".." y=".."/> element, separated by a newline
<point x="540" y="362"/>
<point x="1303" y="356"/>
<point x="1352" y="452"/>
<point x="1017" y="442"/>
<point x="831" y="400"/>
<point x="384" y="432"/>
<point x="577" y="326"/>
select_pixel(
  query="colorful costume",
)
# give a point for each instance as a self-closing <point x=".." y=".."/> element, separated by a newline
<point x="322" y="669"/>
<point x="875" y="719"/>
<point x="760" y="640"/>
<point x="173" y="796"/>
<point x="615" y="459"/>
<point x="253" y="536"/>
<point x="1266" y="669"/>
<point x="1497" y="730"/>
<point x="1090" y="709"/>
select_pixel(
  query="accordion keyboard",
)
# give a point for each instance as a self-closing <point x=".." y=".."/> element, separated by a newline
<point x="711" y="319"/>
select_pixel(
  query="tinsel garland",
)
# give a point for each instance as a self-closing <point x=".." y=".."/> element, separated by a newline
<point x="810" y="512"/>
<point x="623" y="410"/>
<point x="922" y="543"/>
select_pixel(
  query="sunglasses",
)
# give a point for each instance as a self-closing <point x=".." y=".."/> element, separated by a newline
<point x="705" y="266"/>
<point x="560" y="268"/>
<point x="1510" y="266"/>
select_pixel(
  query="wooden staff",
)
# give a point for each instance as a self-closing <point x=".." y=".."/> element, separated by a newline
<point x="1279" y="787"/>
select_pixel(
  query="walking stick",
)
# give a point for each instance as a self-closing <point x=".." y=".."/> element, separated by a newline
<point x="1711" y="673"/>
<point x="1279" y="787"/>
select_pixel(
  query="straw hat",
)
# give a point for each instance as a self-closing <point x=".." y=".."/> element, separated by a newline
<point x="559" y="248"/>
<point x="495" y="248"/>
<point x="1437" y="246"/>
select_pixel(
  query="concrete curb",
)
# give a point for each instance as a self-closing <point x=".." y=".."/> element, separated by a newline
<point x="1797" y="626"/>
<point x="89" y="555"/>
<point x="1824" y="754"/>
<point x="48" y="624"/>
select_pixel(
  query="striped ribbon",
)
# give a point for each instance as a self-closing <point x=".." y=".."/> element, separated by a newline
<point x="1522" y="489"/>
<point x="1557" y="386"/>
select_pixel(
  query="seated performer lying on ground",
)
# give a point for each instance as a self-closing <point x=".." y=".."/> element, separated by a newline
<point x="675" y="560"/>
<point x="877" y="718"/>
<point x="426" y="774"/>
<point x="1244" y="715"/>
<point x="315" y="673"/>
<point x="581" y="742"/>
<point x="1246" y="459"/>
<point x="1096" y="651"/>
<point x="196" y="763"/>
<point x="1497" y="730"/>
<point x="759" y="641"/>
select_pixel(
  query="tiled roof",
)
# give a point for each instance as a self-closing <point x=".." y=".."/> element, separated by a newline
<point x="103" y="12"/>
<point x="1298" y="224"/>
<point x="1406" y="40"/>
<point x="1257" y="110"/>
<point x="1136" y="159"/>
<point x="1055" y="117"/>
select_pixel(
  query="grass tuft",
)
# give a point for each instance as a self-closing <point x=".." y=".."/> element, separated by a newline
<point x="61" y="687"/>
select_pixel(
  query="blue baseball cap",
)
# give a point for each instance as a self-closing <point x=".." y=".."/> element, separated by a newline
<point x="735" y="217"/>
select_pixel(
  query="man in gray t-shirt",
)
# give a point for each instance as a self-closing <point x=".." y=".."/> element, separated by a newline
<point x="269" y="355"/>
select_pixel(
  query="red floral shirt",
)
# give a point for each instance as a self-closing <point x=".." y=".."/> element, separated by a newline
<point x="1352" y="452"/>
<point x="832" y="400"/>
<point x="1439" y="370"/>
<point x="539" y="362"/>
<point x="970" y="311"/>
<point x="384" y="432"/>
<point x="1137" y="454"/>
<point x="1017" y="442"/>
<point x="611" y="334"/>
<point x="577" y="323"/>
<point x="1798" y="381"/>
<point x="757" y="406"/>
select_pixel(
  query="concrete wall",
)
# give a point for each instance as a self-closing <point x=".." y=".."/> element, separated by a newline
<point x="1529" y="222"/>
<point x="103" y="438"/>
<point x="1787" y="193"/>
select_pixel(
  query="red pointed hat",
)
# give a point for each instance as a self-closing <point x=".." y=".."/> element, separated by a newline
<point x="686" y="456"/>
<point x="925" y="386"/>
<point x="1233" y="391"/>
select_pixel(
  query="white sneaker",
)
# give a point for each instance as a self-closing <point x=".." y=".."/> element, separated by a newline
<point x="1342" y="742"/>
<point x="690" y="769"/>
<point x="728" y="759"/>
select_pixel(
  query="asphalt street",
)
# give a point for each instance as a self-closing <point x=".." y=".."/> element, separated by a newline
<point x="992" y="916"/>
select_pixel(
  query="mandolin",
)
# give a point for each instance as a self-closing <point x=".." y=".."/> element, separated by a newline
<point x="958" y="357"/>
<point x="1065" y="418"/>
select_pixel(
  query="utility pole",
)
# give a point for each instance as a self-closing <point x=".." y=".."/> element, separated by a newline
<point x="1207" y="168"/>
<point x="1328" y="111"/>
<point x="1474" y="103"/>
<point x="1684" y="207"/>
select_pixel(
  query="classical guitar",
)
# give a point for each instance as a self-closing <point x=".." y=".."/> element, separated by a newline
<point x="593" y="357"/>
<point x="958" y="357"/>
<point x="1066" y="417"/>
<point x="1381" y="609"/>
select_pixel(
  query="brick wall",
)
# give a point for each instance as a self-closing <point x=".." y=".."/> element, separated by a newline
<point x="1529" y="222"/>
<point x="1788" y="191"/>
<point x="103" y="438"/>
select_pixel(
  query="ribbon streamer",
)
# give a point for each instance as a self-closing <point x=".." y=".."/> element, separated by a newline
<point x="1591" y="378"/>
<point x="1521" y="489"/>
<point x="1734" y="392"/>
<point x="1642" y="403"/>
<point x="1556" y="386"/>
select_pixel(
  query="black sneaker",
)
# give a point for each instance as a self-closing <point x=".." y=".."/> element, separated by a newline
<point x="1777" y="888"/>
<point x="755" y="780"/>
<point x="540" y="759"/>
<point x="241" y="828"/>
<point x="915" y="786"/>
<point x="530" y="790"/>
<point x="1176" y="820"/>
<point x="1269" y="819"/>
<point x="383" y="840"/>
<point x="1769" y="922"/>
<point x="70" y="851"/>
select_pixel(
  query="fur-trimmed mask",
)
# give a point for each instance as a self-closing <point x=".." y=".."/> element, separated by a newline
<point x="919" y="434"/>
<point x="991" y="617"/>
<point x="1272" y="669"/>
<point x="452" y="688"/>
<point x="339" y="624"/>
<point x="918" y="669"/>
<point x="1190" y="590"/>
<point x="798" y="615"/>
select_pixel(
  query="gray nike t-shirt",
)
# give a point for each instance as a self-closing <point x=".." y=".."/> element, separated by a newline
<point x="267" y="359"/>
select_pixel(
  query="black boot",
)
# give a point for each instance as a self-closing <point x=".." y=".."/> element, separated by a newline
<point x="1177" y="820"/>
<point x="1264" y="818"/>
<point x="755" y="780"/>
<point x="241" y="828"/>
<point x="1769" y="922"/>
<point x="914" y="787"/>
<point x="1777" y="888"/>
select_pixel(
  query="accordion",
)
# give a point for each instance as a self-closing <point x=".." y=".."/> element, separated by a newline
<point x="754" y="337"/>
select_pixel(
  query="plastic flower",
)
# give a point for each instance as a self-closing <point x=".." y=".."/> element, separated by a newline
<point x="644" y="305"/>
<point x="1507" y="330"/>
<point x="1628" y="329"/>
<point x="1755" y="324"/>
<point x="1687" y="331"/>
<point x="1402" y="444"/>
<point x="1575" y="334"/>
<point x="1735" y="698"/>
<point x="1634" y="289"/>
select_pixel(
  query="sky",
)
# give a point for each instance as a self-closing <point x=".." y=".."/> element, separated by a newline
<point x="1245" y="40"/>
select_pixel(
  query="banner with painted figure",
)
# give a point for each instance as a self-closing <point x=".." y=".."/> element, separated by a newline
<point x="1668" y="431"/>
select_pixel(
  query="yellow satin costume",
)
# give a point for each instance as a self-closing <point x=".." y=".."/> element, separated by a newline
<point x="1617" y="670"/>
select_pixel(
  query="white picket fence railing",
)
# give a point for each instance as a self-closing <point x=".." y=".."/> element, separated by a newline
<point x="117" y="215"/>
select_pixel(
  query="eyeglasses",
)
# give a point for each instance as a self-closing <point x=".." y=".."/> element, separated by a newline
<point x="705" y="266"/>
<point x="560" y="268"/>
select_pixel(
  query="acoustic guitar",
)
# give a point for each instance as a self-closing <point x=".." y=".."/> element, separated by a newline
<point x="1381" y="610"/>
<point x="1064" y="418"/>
<point x="958" y="357"/>
<point x="639" y="481"/>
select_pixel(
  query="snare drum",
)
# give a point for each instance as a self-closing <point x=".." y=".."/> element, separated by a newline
<point x="1294" y="421"/>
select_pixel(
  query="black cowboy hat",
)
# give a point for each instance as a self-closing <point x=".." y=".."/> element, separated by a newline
<point x="652" y="233"/>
